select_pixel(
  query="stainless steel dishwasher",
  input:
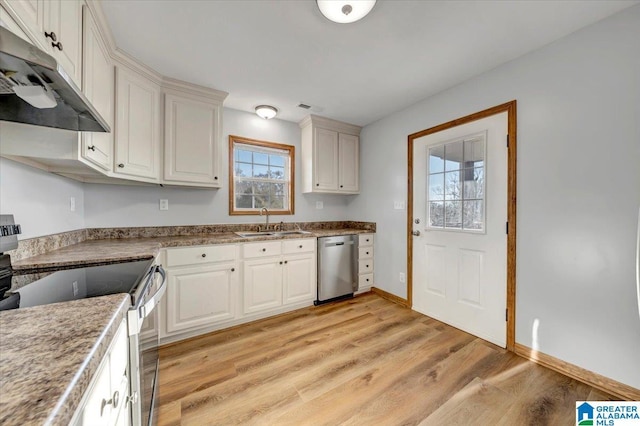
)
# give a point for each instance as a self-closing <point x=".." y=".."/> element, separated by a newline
<point x="337" y="267"/>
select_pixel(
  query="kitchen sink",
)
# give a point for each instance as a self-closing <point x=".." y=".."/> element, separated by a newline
<point x="251" y="234"/>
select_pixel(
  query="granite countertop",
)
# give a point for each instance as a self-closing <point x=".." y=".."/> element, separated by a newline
<point x="49" y="354"/>
<point x="95" y="252"/>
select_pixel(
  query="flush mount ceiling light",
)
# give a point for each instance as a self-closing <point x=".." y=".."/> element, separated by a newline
<point x="266" y="111"/>
<point x="345" y="11"/>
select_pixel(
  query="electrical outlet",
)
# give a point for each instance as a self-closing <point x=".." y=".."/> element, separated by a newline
<point x="75" y="288"/>
<point x="72" y="204"/>
<point x="398" y="205"/>
<point x="319" y="205"/>
<point x="402" y="277"/>
<point x="164" y="204"/>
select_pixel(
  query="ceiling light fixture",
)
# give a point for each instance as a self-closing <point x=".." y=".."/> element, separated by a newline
<point x="345" y="11"/>
<point x="266" y="111"/>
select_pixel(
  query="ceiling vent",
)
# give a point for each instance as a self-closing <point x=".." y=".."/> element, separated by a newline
<point x="304" y="106"/>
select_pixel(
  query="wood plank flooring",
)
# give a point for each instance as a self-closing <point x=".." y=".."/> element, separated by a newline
<point x="365" y="361"/>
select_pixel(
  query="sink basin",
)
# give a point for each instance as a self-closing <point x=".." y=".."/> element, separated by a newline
<point x="291" y="232"/>
<point x="250" y="234"/>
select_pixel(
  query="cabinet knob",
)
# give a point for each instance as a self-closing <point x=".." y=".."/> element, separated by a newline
<point x="286" y="261"/>
<point x="281" y="262"/>
<point x="233" y="269"/>
<point x="116" y="399"/>
<point x="57" y="45"/>
<point x="51" y="35"/>
<point x="204" y="254"/>
<point x="367" y="266"/>
<point x="367" y="252"/>
<point x="121" y="165"/>
<point x="367" y="279"/>
<point x="215" y="178"/>
<point x="317" y="184"/>
<point x="264" y="249"/>
<point x="300" y="246"/>
<point x="341" y="186"/>
<point x="91" y="148"/>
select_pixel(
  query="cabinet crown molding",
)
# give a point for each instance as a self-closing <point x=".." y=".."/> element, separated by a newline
<point x="329" y="123"/>
<point x="182" y="87"/>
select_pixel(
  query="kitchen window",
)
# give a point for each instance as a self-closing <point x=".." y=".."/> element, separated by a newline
<point x="261" y="174"/>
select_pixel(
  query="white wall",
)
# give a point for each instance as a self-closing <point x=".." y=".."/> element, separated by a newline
<point x="39" y="201"/>
<point x="578" y="190"/>
<point x="118" y="205"/>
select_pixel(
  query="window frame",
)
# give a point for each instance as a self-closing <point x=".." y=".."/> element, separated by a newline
<point x="475" y="136"/>
<point x="289" y="207"/>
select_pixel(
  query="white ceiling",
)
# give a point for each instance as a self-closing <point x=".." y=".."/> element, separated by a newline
<point x="282" y="52"/>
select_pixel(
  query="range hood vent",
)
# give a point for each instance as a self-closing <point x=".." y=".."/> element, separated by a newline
<point x="34" y="89"/>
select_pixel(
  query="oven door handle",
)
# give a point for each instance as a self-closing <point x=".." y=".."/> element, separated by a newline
<point x="155" y="299"/>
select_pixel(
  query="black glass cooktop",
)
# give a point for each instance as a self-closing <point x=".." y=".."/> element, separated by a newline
<point x="42" y="288"/>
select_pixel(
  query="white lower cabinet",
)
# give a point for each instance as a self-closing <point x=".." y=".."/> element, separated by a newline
<point x="200" y="296"/>
<point x="365" y="262"/>
<point x="218" y="286"/>
<point x="105" y="402"/>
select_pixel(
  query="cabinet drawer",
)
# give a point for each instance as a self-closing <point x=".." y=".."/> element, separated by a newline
<point x="298" y="246"/>
<point x="365" y="280"/>
<point x="365" y="252"/>
<point x="262" y="249"/>
<point x="365" y="240"/>
<point x="199" y="255"/>
<point x="365" y="266"/>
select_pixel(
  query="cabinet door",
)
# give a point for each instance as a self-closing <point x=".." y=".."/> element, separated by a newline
<point x="64" y="18"/>
<point x="191" y="143"/>
<point x="348" y="162"/>
<point x="325" y="160"/>
<point x="199" y="297"/>
<point x="29" y="16"/>
<point x="95" y="413"/>
<point x="299" y="278"/>
<point x="98" y="86"/>
<point x="137" y="132"/>
<point x="262" y="284"/>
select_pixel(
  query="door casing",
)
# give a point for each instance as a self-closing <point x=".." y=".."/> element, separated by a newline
<point x="510" y="108"/>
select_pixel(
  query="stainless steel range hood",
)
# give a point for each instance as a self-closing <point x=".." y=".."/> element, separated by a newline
<point x="28" y="77"/>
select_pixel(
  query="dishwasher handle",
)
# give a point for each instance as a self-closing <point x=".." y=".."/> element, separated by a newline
<point x="339" y="243"/>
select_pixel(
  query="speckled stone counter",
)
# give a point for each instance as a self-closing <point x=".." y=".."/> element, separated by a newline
<point x="95" y="252"/>
<point x="48" y="355"/>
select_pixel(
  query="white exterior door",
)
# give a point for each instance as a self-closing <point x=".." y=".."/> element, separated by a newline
<point x="460" y="200"/>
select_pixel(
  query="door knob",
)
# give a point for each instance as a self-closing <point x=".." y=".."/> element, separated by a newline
<point x="416" y="233"/>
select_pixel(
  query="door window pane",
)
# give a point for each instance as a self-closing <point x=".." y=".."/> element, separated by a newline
<point x="436" y="159"/>
<point x="474" y="186"/>
<point x="473" y="214"/>
<point x="453" y="214"/>
<point x="436" y="186"/>
<point x="436" y="214"/>
<point x="453" y="156"/>
<point x="474" y="152"/>
<point x="452" y="189"/>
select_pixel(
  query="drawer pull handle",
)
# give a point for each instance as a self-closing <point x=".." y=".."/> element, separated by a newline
<point x="264" y="249"/>
<point x="300" y="246"/>
<point x="286" y="261"/>
<point x="51" y="35"/>
<point x="57" y="45"/>
<point x="91" y="148"/>
<point x="204" y="254"/>
<point x="121" y="165"/>
<point x="116" y="399"/>
<point x="281" y="262"/>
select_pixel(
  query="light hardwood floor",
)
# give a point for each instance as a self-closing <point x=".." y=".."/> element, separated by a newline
<point x="366" y="361"/>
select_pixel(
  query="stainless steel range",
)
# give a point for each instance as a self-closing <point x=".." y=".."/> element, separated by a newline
<point x="143" y="280"/>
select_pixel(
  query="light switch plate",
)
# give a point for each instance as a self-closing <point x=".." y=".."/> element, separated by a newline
<point x="164" y="204"/>
<point x="72" y="204"/>
<point x="319" y="205"/>
<point x="398" y="205"/>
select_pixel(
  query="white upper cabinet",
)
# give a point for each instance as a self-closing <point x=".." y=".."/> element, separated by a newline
<point x="98" y="86"/>
<point x="330" y="156"/>
<point x="192" y="135"/>
<point x="63" y="29"/>
<point x="348" y="163"/>
<point x="56" y="27"/>
<point x="137" y="127"/>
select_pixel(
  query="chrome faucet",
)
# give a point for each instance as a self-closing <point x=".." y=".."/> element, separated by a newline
<point x="266" y="211"/>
